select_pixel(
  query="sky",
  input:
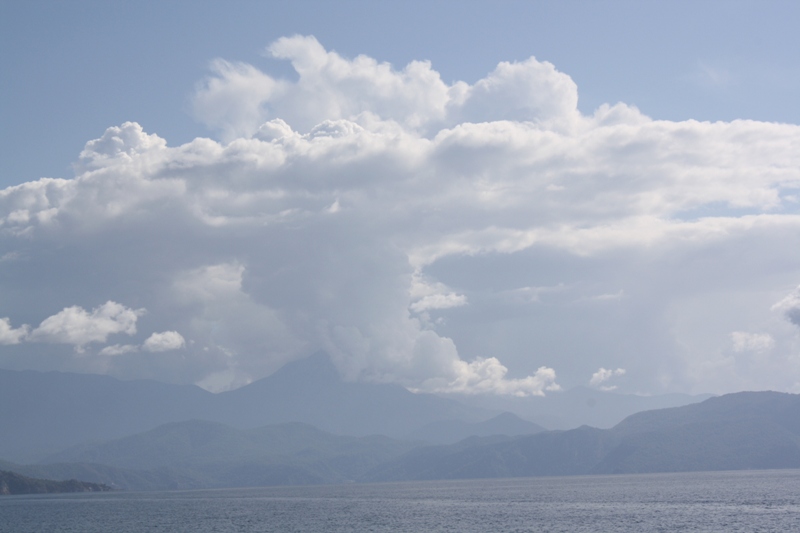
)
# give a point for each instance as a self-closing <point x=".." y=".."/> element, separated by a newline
<point x="451" y="196"/>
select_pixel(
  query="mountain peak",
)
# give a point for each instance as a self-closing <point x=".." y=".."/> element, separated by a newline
<point x="317" y="366"/>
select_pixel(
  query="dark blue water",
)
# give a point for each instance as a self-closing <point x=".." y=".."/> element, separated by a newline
<point x="721" y="501"/>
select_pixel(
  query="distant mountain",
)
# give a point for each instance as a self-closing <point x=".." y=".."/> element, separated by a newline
<point x="116" y="478"/>
<point x="452" y="431"/>
<point x="44" y="412"/>
<point x="749" y="430"/>
<point x="311" y="391"/>
<point x="13" y="483"/>
<point x="578" y="406"/>
<point x="201" y="454"/>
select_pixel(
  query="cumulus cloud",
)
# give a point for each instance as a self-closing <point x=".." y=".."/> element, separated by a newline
<point x="10" y="335"/>
<point x="164" y="342"/>
<point x="603" y="375"/>
<point x="489" y="376"/>
<point x="74" y="325"/>
<point x="427" y="295"/>
<point x="352" y="207"/>
<point x="78" y="327"/>
<point x="238" y="98"/>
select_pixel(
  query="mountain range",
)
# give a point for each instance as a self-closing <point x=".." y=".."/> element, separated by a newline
<point x="749" y="430"/>
<point x="42" y="413"/>
<point x="304" y="424"/>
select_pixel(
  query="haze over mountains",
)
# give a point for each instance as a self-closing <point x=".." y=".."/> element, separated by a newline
<point x="305" y="425"/>
<point x="46" y="412"/>
<point x="43" y="413"/>
<point x="748" y="430"/>
<point x="197" y="454"/>
<point x="753" y="430"/>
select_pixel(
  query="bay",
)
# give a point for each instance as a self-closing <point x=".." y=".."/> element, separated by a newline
<point x="706" y="501"/>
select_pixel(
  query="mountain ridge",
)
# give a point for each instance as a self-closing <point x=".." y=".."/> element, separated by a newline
<point x="14" y="483"/>
<point x="750" y="430"/>
<point x="704" y="436"/>
<point x="45" y="412"/>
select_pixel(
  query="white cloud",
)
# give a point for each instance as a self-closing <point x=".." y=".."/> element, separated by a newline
<point x="164" y="342"/>
<point x="10" y="335"/>
<point x="488" y="376"/>
<point x="119" y="349"/>
<point x="342" y="208"/>
<point x="120" y="145"/>
<point x="603" y="375"/>
<point x="428" y="295"/>
<point x="751" y="342"/>
<point x="237" y="98"/>
<point x="438" y="301"/>
<point x="74" y="325"/>
<point x="790" y="307"/>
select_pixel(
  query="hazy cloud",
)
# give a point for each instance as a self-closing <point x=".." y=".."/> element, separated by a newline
<point x="119" y="349"/>
<point x="751" y="342"/>
<point x="790" y="307"/>
<point x="603" y="375"/>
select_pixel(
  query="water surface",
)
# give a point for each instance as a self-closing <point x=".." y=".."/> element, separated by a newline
<point x="708" y="501"/>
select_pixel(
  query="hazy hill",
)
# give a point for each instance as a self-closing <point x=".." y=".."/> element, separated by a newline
<point x="115" y="477"/>
<point x="749" y="430"/>
<point x="554" y="453"/>
<point x="579" y="406"/>
<point x="13" y="483"/>
<point x="776" y="407"/>
<point x="311" y="391"/>
<point x="197" y="454"/>
<point x="45" y="412"/>
<point x="452" y="431"/>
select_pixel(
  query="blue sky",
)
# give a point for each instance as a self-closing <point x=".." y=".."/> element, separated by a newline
<point x="464" y="197"/>
<point x="71" y="69"/>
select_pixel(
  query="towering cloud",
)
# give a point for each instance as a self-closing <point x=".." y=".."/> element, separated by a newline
<point x="477" y="238"/>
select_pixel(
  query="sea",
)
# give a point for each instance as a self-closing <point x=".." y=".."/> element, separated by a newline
<point x="752" y="501"/>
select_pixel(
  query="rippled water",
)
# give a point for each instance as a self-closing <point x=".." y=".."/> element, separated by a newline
<point x="721" y="501"/>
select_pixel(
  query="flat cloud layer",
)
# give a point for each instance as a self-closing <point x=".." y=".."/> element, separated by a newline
<point x="475" y="238"/>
